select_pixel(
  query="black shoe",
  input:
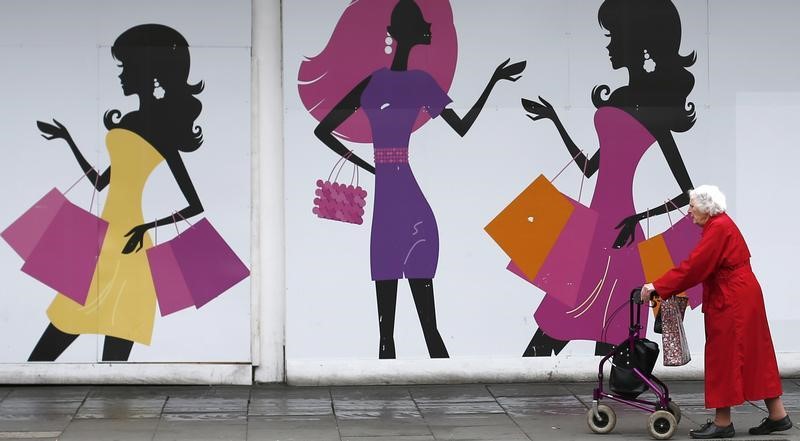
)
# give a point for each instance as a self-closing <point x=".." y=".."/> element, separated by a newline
<point x="768" y="426"/>
<point x="710" y="430"/>
<point x="542" y="345"/>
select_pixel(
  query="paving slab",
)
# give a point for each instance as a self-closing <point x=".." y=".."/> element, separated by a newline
<point x="469" y="412"/>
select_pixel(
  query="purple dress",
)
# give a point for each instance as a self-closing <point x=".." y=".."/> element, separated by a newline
<point x="610" y="274"/>
<point x="405" y="239"/>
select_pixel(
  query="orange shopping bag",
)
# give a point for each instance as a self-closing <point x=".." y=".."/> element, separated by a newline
<point x="547" y="235"/>
<point x="662" y="252"/>
<point x="530" y="225"/>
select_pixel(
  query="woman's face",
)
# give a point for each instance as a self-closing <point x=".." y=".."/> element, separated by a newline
<point x="126" y="81"/>
<point x="134" y="82"/>
<point x="698" y="217"/>
<point x="620" y="52"/>
<point x="409" y="26"/>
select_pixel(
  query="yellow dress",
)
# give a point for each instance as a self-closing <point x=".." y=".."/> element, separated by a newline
<point x="122" y="299"/>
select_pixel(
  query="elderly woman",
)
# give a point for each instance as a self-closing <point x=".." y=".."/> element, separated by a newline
<point x="739" y="358"/>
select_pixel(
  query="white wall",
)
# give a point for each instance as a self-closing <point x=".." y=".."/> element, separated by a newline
<point x="742" y="141"/>
<point x="746" y="99"/>
<point x="57" y="63"/>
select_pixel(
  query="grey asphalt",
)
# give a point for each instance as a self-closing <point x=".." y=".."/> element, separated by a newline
<point x="496" y="412"/>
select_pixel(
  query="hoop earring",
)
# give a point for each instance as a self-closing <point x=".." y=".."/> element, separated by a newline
<point x="649" y="64"/>
<point x="158" y="91"/>
<point x="388" y="40"/>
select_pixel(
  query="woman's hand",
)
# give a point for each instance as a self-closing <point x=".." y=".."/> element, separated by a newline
<point x="136" y="240"/>
<point x="543" y="110"/>
<point x="50" y="131"/>
<point x="508" y="72"/>
<point x="646" y="290"/>
<point x="627" y="231"/>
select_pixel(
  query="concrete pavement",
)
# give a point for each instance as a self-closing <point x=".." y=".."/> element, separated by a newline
<point x="496" y="412"/>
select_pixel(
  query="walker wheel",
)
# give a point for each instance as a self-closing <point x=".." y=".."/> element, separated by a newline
<point x="605" y="423"/>
<point x="662" y="424"/>
<point x="675" y="410"/>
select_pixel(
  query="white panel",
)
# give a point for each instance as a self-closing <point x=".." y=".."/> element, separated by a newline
<point x="57" y="63"/>
<point x="483" y="311"/>
<point x="131" y="373"/>
<point x="92" y="22"/>
<point x="767" y="158"/>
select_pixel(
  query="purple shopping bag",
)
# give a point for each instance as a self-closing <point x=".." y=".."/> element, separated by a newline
<point x="560" y="274"/>
<point x="65" y="257"/>
<point x="24" y="233"/>
<point x="207" y="264"/>
<point x="172" y="292"/>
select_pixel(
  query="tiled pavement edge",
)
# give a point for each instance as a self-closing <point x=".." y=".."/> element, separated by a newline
<point x="469" y="412"/>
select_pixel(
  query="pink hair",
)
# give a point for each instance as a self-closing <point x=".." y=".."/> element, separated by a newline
<point x="356" y="50"/>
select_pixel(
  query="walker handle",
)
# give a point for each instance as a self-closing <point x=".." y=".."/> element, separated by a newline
<point x="636" y="296"/>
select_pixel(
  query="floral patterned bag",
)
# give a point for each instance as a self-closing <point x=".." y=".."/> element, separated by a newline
<point x="674" y="343"/>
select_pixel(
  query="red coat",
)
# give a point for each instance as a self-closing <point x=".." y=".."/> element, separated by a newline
<point x="739" y="358"/>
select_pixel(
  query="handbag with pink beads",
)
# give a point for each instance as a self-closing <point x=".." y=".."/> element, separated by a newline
<point x="338" y="201"/>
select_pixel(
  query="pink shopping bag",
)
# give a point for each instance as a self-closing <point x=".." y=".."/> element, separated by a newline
<point x="65" y="256"/>
<point x="24" y="233"/>
<point x="172" y="292"/>
<point x="560" y="274"/>
<point x="206" y="266"/>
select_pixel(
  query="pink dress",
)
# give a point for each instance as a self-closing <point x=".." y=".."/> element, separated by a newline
<point x="610" y="274"/>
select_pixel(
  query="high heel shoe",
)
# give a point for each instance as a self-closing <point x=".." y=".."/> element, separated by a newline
<point x="542" y="345"/>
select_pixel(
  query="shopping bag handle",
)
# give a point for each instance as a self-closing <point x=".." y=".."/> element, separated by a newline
<point x="667" y="210"/>
<point x="94" y="187"/>
<point x="174" y="222"/>
<point x="355" y="169"/>
<point x="669" y="201"/>
<point x="583" y="175"/>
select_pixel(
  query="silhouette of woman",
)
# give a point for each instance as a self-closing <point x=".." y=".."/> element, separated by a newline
<point x="121" y="302"/>
<point x="645" y="39"/>
<point x="404" y="239"/>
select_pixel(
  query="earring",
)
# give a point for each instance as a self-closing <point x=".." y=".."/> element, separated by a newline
<point x="649" y="64"/>
<point x="158" y="91"/>
<point x="388" y="40"/>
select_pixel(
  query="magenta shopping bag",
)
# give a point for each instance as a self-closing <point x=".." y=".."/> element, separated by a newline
<point x="172" y="292"/>
<point x="65" y="256"/>
<point x="560" y="274"/>
<point x="206" y="267"/>
<point x="24" y="233"/>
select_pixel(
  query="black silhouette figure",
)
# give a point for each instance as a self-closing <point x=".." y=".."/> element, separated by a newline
<point x="155" y="67"/>
<point x="402" y="215"/>
<point x="645" y="38"/>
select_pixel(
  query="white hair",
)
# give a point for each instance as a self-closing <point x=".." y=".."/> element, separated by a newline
<point x="708" y="199"/>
